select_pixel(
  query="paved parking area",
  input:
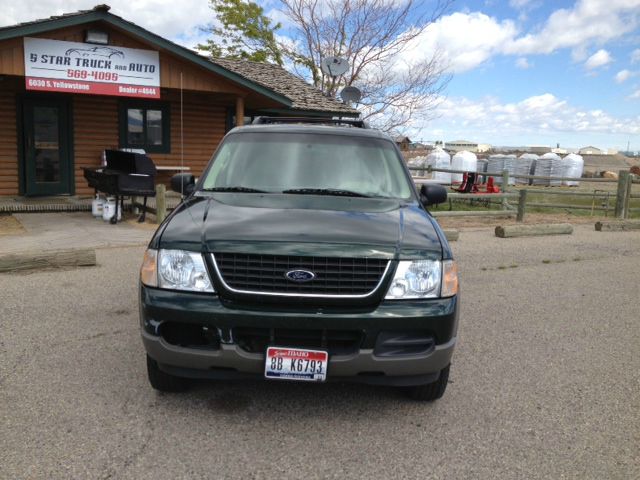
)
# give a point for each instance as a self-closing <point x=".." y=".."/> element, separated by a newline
<point x="51" y="231"/>
<point x="545" y="382"/>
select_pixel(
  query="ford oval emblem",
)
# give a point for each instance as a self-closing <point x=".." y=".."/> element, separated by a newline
<point x="300" y="276"/>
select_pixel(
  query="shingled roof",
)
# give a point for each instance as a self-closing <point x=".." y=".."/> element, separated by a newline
<point x="276" y="78"/>
<point x="266" y="79"/>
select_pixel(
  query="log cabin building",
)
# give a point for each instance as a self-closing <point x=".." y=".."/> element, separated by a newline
<point x="74" y="85"/>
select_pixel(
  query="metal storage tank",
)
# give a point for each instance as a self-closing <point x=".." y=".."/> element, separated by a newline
<point x="573" y="165"/>
<point x="438" y="158"/>
<point x="543" y="167"/>
<point x="556" y="168"/>
<point x="465" y="161"/>
<point x="525" y="165"/>
<point x="498" y="163"/>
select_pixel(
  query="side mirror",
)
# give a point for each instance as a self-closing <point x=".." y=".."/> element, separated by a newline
<point x="432" y="194"/>
<point x="183" y="183"/>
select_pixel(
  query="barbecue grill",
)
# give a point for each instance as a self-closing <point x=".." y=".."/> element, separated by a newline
<point x="125" y="174"/>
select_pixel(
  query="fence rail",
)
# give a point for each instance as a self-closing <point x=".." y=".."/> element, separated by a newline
<point x="429" y="169"/>
<point x="623" y="194"/>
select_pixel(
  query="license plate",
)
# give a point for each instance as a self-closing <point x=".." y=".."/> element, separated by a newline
<point x="296" y="364"/>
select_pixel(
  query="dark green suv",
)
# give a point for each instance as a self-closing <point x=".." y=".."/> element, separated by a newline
<point x="303" y="253"/>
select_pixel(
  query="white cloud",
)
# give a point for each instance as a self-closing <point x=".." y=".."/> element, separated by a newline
<point x="180" y="22"/>
<point x="466" y="40"/>
<point x="635" y="94"/>
<point x="588" y="22"/>
<point x="519" y="3"/>
<point x="536" y="117"/>
<point x="623" y="75"/>
<point x="635" y="56"/>
<point x="523" y="63"/>
<point x="579" y="53"/>
<point x="598" y="59"/>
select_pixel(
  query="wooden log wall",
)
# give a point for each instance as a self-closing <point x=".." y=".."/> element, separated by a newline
<point x="8" y="143"/>
<point x="95" y="123"/>
<point x="95" y="118"/>
<point x="96" y="128"/>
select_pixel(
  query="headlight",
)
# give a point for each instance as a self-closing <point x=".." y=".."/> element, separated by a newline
<point x="423" y="279"/>
<point x="176" y="270"/>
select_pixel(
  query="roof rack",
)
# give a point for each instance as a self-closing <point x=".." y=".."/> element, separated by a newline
<point x="264" y="120"/>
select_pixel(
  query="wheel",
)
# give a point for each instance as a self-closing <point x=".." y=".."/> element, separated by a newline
<point x="431" y="391"/>
<point x="162" y="381"/>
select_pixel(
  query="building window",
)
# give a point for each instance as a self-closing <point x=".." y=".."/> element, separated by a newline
<point x="145" y="125"/>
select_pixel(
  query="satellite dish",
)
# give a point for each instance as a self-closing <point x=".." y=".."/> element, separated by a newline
<point x="350" y="94"/>
<point x="334" y="66"/>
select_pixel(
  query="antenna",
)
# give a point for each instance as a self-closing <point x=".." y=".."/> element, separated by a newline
<point x="350" y="94"/>
<point x="334" y="66"/>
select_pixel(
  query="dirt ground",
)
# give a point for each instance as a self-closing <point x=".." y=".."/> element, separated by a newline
<point x="10" y="226"/>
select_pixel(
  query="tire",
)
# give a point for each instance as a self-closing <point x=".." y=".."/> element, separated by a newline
<point x="430" y="391"/>
<point x="162" y="381"/>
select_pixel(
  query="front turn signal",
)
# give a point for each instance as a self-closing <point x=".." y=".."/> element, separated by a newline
<point x="449" y="278"/>
<point x="149" y="269"/>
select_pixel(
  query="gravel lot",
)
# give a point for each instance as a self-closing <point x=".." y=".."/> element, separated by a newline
<point x="545" y="382"/>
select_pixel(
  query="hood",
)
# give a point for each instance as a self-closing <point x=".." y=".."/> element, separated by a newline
<point x="303" y="225"/>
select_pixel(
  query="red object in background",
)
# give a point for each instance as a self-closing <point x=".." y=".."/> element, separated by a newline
<point x="469" y="183"/>
<point x="491" y="188"/>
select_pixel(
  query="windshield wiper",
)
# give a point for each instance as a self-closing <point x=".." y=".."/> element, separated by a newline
<point x="234" y="189"/>
<point x="325" y="191"/>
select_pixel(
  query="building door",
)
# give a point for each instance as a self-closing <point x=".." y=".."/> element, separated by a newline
<point x="47" y="156"/>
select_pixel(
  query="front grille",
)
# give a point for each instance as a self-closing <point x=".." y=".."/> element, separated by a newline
<point x="333" y="276"/>
<point x="336" y="342"/>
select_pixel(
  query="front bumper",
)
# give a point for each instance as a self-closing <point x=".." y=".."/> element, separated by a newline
<point x="437" y="318"/>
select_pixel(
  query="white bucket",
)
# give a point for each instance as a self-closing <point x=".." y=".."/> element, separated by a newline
<point x="97" y="206"/>
<point x="109" y="210"/>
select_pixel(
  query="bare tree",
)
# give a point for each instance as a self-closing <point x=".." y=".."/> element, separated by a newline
<point x="372" y="35"/>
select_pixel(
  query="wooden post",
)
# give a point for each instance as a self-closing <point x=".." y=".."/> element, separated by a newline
<point x="161" y="203"/>
<point x="522" y="202"/>
<point x="627" y="196"/>
<point x="43" y="259"/>
<point x="505" y="186"/>
<point x="239" y="111"/>
<point x="617" y="226"/>
<point x="509" y="231"/>
<point x="622" y="195"/>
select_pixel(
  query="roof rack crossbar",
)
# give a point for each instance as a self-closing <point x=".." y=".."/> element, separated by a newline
<point x="263" y="120"/>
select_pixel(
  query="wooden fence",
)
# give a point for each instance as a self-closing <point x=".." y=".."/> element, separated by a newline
<point x="601" y="199"/>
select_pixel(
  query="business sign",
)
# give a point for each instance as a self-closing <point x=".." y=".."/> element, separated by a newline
<point x="56" y="66"/>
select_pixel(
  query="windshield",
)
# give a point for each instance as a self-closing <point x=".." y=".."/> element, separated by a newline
<point x="303" y="163"/>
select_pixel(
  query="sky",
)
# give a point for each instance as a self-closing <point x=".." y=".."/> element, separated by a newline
<point x="524" y="72"/>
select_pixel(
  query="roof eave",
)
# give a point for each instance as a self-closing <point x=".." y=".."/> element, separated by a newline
<point x="93" y="16"/>
<point x="311" y="113"/>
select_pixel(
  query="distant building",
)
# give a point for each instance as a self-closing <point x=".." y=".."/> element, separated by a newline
<point x="459" y="145"/>
<point x="612" y="151"/>
<point x="483" y="147"/>
<point x="559" y="151"/>
<point x="403" y="142"/>
<point x="420" y="146"/>
<point x="591" y="151"/>
<point x="539" y="149"/>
